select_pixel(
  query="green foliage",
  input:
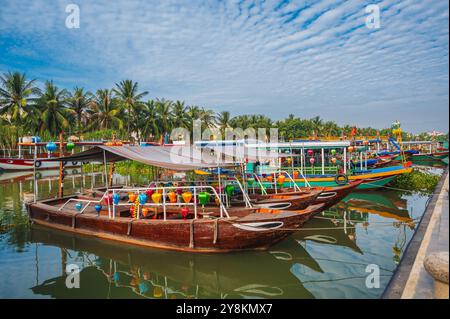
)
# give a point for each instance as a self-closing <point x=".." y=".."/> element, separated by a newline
<point x="417" y="180"/>
<point x="28" y="110"/>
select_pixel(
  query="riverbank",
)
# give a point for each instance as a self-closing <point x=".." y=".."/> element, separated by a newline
<point x="411" y="280"/>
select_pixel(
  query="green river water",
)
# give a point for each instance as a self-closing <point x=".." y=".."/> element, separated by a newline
<point x="328" y="258"/>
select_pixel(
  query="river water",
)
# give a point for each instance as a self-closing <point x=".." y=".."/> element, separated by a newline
<point x="331" y="257"/>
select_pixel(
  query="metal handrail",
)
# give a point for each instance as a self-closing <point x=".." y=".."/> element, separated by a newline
<point x="263" y="189"/>
<point x="223" y="209"/>
<point x="82" y="200"/>
<point x="244" y="194"/>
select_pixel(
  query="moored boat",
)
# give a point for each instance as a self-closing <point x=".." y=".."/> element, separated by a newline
<point x="328" y="195"/>
<point x="156" y="217"/>
<point x="243" y="229"/>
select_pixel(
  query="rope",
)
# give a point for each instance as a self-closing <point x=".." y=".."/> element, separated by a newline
<point x="359" y="221"/>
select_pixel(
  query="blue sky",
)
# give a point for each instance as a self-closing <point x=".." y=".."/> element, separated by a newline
<point x="270" y="57"/>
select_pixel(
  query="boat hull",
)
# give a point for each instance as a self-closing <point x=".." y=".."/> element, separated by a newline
<point x="18" y="164"/>
<point x="256" y="231"/>
<point x="374" y="179"/>
<point x="430" y="157"/>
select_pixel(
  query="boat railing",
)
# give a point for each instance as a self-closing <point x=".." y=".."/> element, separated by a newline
<point x="291" y="179"/>
<point x="244" y="193"/>
<point x="263" y="189"/>
<point x="88" y="201"/>
<point x="165" y="204"/>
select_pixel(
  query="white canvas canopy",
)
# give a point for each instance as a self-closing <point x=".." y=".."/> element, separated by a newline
<point x="180" y="158"/>
<point x="252" y="154"/>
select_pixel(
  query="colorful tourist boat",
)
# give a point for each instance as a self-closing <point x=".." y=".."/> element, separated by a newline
<point x="33" y="154"/>
<point x="240" y="229"/>
<point x="311" y="163"/>
<point x="156" y="217"/>
<point x="434" y="156"/>
<point x="328" y="195"/>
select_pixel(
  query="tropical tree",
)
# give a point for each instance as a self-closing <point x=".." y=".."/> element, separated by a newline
<point x="317" y="125"/>
<point x="148" y="120"/>
<point x="105" y="111"/>
<point x="52" y="110"/>
<point x="164" y="111"/>
<point x="78" y="105"/>
<point x="179" y="115"/>
<point x="207" y="117"/>
<point x="223" y="121"/>
<point x="16" y="96"/>
<point x="130" y="99"/>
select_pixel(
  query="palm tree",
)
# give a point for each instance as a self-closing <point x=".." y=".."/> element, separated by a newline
<point x="179" y="115"/>
<point x="105" y="111"/>
<point x="16" y="95"/>
<point x="223" y="121"/>
<point x="53" y="112"/>
<point x="164" y="111"/>
<point x="127" y="93"/>
<point x="317" y="124"/>
<point x="148" y="121"/>
<point x="78" y="103"/>
<point x="208" y="117"/>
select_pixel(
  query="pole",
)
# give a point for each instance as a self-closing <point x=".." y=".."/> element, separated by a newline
<point x="61" y="167"/>
<point x="34" y="175"/>
<point x="107" y="184"/>
<point x="345" y="160"/>
<point x="323" y="161"/>
<point x="111" y="173"/>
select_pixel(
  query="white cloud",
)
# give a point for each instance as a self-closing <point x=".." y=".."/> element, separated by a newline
<point x="273" y="57"/>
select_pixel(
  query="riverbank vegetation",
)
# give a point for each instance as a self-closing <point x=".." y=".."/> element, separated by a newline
<point x="125" y="111"/>
<point x="417" y="181"/>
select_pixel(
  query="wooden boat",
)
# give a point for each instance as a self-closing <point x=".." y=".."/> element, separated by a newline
<point x="44" y="159"/>
<point x="328" y="195"/>
<point x="435" y="156"/>
<point x="371" y="178"/>
<point x="288" y="201"/>
<point x="243" y="229"/>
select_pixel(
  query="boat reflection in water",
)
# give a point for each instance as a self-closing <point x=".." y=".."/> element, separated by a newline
<point x="110" y="270"/>
<point x="339" y="228"/>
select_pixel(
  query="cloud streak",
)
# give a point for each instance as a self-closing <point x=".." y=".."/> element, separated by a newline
<point x="271" y="57"/>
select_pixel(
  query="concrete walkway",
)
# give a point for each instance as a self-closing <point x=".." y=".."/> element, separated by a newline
<point x="411" y="280"/>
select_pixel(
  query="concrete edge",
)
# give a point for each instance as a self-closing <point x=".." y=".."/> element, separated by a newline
<point x="397" y="283"/>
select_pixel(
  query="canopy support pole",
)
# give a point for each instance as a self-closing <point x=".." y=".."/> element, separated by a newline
<point x="111" y="173"/>
<point x="34" y="175"/>
<point x="345" y="160"/>
<point x="323" y="161"/>
<point x="61" y="168"/>
<point x="107" y="184"/>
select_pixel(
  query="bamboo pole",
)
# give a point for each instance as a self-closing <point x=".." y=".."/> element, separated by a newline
<point x="61" y="167"/>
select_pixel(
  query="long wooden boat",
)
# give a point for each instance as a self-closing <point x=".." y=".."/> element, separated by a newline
<point x="328" y="195"/>
<point x="43" y="161"/>
<point x="437" y="156"/>
<point x="244" y="229"/>
<point x="28" y="164"/>
<point x="291" y="201"/>
<point x="372" y="178"/>
<point x="294" y="201"/>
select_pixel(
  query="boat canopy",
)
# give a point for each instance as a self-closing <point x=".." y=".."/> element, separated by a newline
<point x="252" y="154"/>
<point x="180" y="158"/>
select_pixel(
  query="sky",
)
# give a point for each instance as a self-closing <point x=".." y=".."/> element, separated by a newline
<point x="272" y="57"/>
